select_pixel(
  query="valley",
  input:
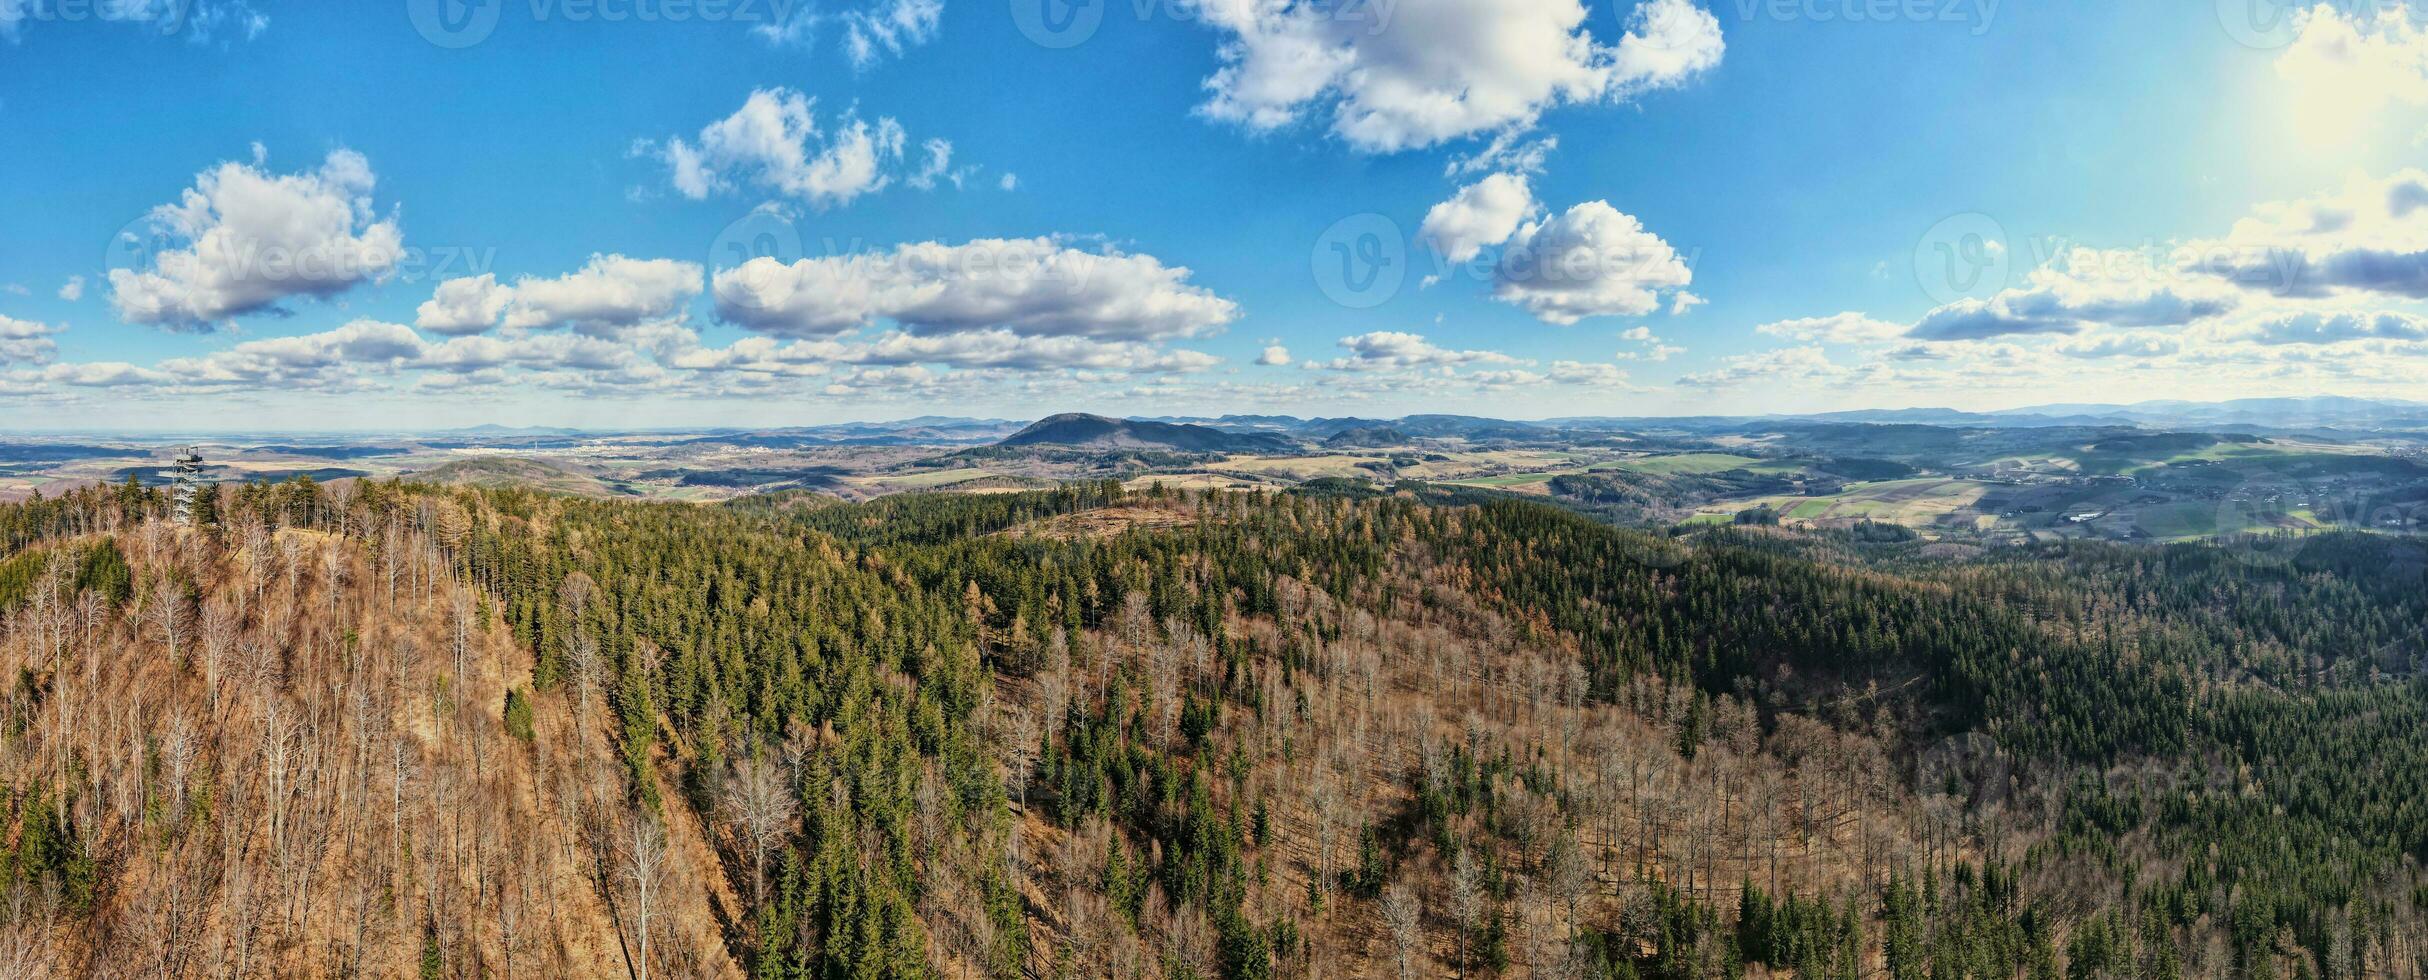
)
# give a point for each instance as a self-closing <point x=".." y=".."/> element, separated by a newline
<point x="1529" y="722"/>
<point x="2027" y="477"/>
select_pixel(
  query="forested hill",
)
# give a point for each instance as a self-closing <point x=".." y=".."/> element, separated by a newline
<point x="1090" y="732"/>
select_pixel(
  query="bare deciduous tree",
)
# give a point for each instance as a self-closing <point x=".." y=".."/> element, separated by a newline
<point x="642" y="869"/>
<point x="1405" y="916"/>
<point x="760" y="805"/>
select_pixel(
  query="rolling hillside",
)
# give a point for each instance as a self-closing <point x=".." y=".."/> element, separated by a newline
<point x="1098" y="432"/>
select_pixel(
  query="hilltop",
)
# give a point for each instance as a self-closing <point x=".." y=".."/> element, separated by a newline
<point x="1100" y="432"/>
<point x="515" y="471"/>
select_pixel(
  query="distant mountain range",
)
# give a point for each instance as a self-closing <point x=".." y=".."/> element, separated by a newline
<point x="2322" y="411"/>
<point x="1241" y="433"/>
<point x="2326" y="414"/>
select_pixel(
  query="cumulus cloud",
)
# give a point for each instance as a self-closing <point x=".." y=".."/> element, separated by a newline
<point x="1274" y="356"/>
<point x="608" y="292"/>
<point x="73" y="289"/>
<point x="2283" y="302"/>
<point x="1844" y="329"/>
<point x="1790" y="364"/>
<point x="102" y="374"/>
<point x="461" y="306"/>
<point x="2379" y="46"/>
<point x="775" y="143"/>
<point x="1391" y="350"/>
<point x="664" y="357"/>
<point x="26" y="342"/>
<point x="2346" y="65"/>
<point x="2080" y="289"/>
<point x="1483" y="213"/>
<point x="1592" y="260"/>
<point x="2132" y="343"/>
<point x="1651" y="348"/>
<point x="553" y="352"/>
<point x="2314" y="327"/>
<point x="1035" y="286"/>
<point x="1420" y="72"/>
<point x="309" y="360"/>
<point x="252" y="239"/>
<point x="606" y="296"/>
<point x="1588" y="373"/>
<point x="2369" y="237"/>
<point x="1001" y="348"/>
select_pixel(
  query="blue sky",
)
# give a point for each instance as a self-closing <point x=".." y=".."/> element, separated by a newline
<point x="1133" y="222"/>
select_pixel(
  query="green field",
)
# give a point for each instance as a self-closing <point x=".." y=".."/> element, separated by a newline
<point x="1920" y="501"/>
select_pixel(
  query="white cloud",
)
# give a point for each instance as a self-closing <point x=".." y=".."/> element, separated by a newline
<point x="102" y="374"/>
<point x="556" y="352"/>
<point x="1585" y="373"/>
<point x="1498" y="380"/>
<point x="1420" y="72"/>
<point x="1483" y="213"/>
<point x="1036" y="286"/>
<point x="2131" y="343"/>
<point x="774" y="142"/>
<point x="26" y="342"/>
<point x="1652" y="347"/>
<point x="1667" y="42"/>
<point x="1844" y="328"/>
<point x="2313" y="327"/>
<point x="888" y="29"/>
<point x="607" y="293"/>
<point x="871" y="31"/>
<point x="1511" y="150"/>
<point x="1274" y="356"/>
<point x="1798" y="364"/>
<point x="73" y="289"/>
<point x="461" y="306"/>
<point x="1592" y="260"/>
<point x="2342" y="70"/>
<point x="253" y="239"/>
<point x="309" y="360"/>
<point x="1391" y="350"/>
<point x="938" y="164"/>
<point x="1007" y="349"/>
<point x="2371" y="237"/>
<point x="2080" y="289"/>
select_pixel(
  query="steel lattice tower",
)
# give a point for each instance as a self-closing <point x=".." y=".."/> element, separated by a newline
<point x="188" y="482"/>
